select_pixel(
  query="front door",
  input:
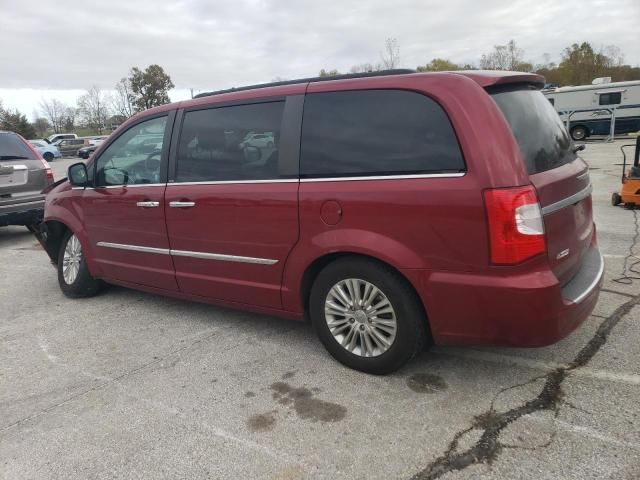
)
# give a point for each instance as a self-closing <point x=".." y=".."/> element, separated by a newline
<point x="124" y="212"/>
<point x="232" y="207"/>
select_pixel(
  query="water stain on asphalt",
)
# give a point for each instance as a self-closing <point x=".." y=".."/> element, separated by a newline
<point x="249" y="394"/>
<point x="35" y="246"/>
<point x="262" y="422"/>
<point x="288" y="375"/>
<point x="426" y="383"/>
<point x="306" y="406"/>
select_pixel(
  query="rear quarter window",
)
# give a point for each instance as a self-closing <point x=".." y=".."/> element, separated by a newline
<point x="13" y="148"/>
<point x="376" y="132"/>
<point x="543" y="140"/>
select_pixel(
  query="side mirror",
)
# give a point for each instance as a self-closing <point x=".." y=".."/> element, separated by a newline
<point x="77" y="175"/>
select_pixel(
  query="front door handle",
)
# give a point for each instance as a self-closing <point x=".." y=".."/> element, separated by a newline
<point x="148" y="204"/>
<point x="182" y="204"/>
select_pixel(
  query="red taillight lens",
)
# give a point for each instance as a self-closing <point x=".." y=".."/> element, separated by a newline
<point x="47" y="170"/>
<point x="516" y="230"/>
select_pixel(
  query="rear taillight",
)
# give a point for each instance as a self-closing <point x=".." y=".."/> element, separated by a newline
<point x="516" y="230"/>
<point x="47" y="170"/>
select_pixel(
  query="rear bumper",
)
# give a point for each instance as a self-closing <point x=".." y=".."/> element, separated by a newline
<point x="26" y="212"/>
<point x="529" y="310"/>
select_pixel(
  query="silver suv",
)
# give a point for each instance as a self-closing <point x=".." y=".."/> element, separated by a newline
<point x="24" y="174"/>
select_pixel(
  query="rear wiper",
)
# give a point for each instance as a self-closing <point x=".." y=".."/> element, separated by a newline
<point x="13" y="157"/>
<point x="578" y="148"/>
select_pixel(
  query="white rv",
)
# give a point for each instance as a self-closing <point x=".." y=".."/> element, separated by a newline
<point x="589" y="108"/>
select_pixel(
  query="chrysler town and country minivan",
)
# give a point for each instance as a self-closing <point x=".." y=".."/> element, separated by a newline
<point x="391" y="209"/>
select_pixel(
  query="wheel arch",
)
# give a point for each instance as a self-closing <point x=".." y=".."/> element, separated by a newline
<point x="315" y="267"/>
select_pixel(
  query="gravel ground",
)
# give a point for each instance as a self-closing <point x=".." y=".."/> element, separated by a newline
<point x="132" y="385"/>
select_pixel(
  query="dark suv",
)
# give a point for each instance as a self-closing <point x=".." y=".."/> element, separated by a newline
<point x="24" y="174"/>
<point x="392" y="210"/>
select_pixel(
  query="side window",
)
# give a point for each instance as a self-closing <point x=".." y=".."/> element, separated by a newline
<point x="134" y="158"/>
<point x="230" y="143"/>
<point x="610" y="98"/>
<point x="552" y="101"/>
<point x="376" y="132"/>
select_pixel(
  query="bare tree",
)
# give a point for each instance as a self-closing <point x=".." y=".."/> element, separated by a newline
<point x="391" y="55"/>
<point x="505" y="57"/>
<point x="366" y="67"/>
<point x="93" y="108"/>
<point x="54" y="111"/>
<point x="41" y="125"/>
<point x="122" y="100"/>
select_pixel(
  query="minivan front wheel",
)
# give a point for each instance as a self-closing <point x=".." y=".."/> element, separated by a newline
<point x="73" y="274"/>
<point x="367" y="316"/>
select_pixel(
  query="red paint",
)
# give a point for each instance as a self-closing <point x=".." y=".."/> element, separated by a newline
<point x="433" y="230"/>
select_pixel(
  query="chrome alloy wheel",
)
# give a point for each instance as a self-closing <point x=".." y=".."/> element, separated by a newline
<point x="71" y="260"/>
<point x="360" y="317"/>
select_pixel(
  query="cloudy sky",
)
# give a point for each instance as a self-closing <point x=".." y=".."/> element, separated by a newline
<point x="59" y="48"/>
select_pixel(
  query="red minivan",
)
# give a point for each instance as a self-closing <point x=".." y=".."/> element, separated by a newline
<point x="393" y="209"/>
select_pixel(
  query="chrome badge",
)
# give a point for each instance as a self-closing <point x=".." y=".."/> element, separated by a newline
<point x="562" y="254"/>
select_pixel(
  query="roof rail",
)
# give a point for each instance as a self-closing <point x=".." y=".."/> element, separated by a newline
<point x="381" y="73"/>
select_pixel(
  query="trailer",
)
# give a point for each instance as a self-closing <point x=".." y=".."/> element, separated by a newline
<point x="602" y="108"/>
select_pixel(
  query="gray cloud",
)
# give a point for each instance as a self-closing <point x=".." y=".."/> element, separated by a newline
<point x="69" y="44"/>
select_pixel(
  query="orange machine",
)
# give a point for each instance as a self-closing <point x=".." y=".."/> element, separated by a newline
<point x="630" y="192"/>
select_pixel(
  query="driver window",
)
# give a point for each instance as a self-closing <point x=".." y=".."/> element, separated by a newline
<point x="134" y="158"/>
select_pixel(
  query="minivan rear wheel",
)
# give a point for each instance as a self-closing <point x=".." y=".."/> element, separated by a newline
<point x="367" y="315"/>
<point x="73" y="274"/>
<point x="48" y="156"/>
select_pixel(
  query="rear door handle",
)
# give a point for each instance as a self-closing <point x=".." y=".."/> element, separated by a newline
<point x="182" y="204"/>
<point x="148" y="204"/>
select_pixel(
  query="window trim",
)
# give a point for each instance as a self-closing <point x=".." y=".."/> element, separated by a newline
<point x="164" y="156"/>
<point x="608" y="94"/>
<point x="384" y="175"/>
<point x="289" y="151"/>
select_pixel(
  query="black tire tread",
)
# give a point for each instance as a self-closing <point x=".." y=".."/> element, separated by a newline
<point x="85" y="285"/>
<point x="416" y="318"/>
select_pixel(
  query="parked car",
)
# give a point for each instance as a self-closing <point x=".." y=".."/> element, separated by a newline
<point x="48" y="151"/>
<point x="258" y="140"/>
<point x="69" y="146"/>
<point x="397" y="209"/>
<point x="60" y="136"/>
<point x="86" y="152"/>
<point x="24" y="174"/>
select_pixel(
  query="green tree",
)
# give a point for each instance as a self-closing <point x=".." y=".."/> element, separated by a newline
<point x="149" y="87"/>
<point x="439" y="65"/>
<point x="14" y="121"/>
<point x="328" y="73"/>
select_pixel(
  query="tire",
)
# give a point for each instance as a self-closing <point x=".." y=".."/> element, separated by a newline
<point x="579" y="133"/>
<point x="615" y="199"/>
<point x="82" y="285"/>
<point x="48" y="156"/>
<point x="410" y="334"/>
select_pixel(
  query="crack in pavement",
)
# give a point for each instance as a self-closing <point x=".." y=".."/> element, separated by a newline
<point x="157" y="359"/>
<point x="492" y="423"/>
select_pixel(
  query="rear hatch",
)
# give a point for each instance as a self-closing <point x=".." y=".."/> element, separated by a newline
<point x="561" y="177"/>
<point x="22" y="172"/>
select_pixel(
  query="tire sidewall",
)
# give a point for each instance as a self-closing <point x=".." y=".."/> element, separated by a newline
<point x="579" y="129"/>
<point x="84" y="285"/>
<point x="407" y="311"/>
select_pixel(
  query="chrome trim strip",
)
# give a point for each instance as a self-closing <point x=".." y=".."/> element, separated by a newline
<point x="134" y="248"/>
<point x="18" y="168"/>
<point x="592" y="285"/>
<point x="384" y="177"/>
<point x="178" y="204"/>
<point x="186" y="253"/>
<point x="148" y="204"/>
<point x="231" y="182"/>
<point x="224" y="258"/>
<point x="17" y="205"/>
<point x="565" y="202"/>
<point x="121" y="186"/>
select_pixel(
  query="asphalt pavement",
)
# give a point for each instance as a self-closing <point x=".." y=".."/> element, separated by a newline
<point x="133" y="385"/>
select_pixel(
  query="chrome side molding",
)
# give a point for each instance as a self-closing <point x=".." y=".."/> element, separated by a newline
<point x="565" y="202"/>
<point x="186" y="253"/>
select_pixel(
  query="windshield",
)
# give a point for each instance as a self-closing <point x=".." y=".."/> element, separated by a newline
<point x="539" y="131"/>
<point x="13" y="148"/>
